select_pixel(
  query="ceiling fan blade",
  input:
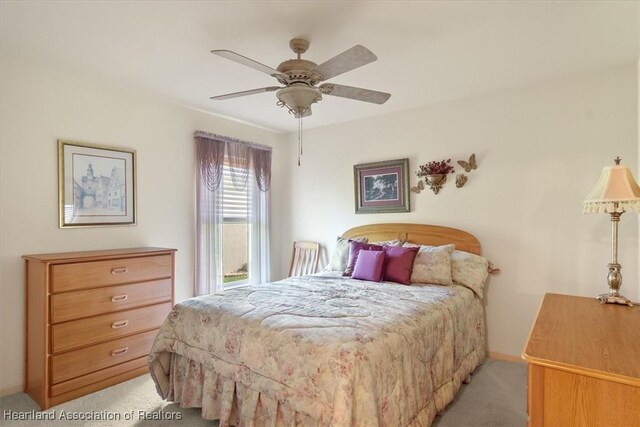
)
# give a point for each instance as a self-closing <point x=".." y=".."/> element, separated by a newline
<point x="236" y="57"/>
<point x="245" y="93"/>
<point x="356" y="93"/>
<point x="348" y="60"/>
<point x="307" y="113"/>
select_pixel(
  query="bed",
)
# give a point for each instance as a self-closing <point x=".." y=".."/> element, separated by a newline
<point x="325" y="350"/>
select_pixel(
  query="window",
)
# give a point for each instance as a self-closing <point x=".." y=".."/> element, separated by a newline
<point x="235" y="231"/>
<point x="232" y="226"/>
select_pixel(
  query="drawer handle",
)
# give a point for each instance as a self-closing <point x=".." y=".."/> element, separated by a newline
<point x="120" y="351"/>
<point x="119" y="270"/>
<point x="119" y="298"/>
<point x="119" y="324"/>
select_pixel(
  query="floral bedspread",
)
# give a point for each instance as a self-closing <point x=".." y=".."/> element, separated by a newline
<point x="333" y="350"/>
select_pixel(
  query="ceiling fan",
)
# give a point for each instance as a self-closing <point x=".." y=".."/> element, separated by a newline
<point x="300" y="78"/>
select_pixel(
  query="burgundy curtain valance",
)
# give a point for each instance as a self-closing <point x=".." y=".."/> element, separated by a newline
<point x="243" y="156"/>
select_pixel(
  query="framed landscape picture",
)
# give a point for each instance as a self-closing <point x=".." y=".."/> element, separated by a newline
<point x="382" y="186"/>
<point x="96" y="185"/>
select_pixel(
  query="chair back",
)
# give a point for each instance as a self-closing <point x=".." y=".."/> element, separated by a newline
<point x="304" y="258"/>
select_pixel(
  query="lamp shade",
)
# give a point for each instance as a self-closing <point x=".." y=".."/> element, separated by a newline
<point x="298" y="98"/>
<point x="616" y="191"/>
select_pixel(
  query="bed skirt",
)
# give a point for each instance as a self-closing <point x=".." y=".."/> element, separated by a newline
<point x="193" y="385"/>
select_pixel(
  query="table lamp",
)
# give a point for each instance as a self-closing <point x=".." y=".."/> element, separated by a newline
<point x="616" y="193"/>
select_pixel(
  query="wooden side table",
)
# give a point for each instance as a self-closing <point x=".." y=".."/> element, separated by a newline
<point x="583" y="364"/>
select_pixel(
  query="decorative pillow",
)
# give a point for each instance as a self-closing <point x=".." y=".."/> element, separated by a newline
<point x="354" y="249"/>
<point x="388" y="243"/>
<point x="433" y="265"/>
<point x="369" y="265"/>
<point x="399" y="264"/>
<point x="341" y="254"/>
<point x="470" y="270"/>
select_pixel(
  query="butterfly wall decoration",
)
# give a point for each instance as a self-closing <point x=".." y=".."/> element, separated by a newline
<point x="418" y="188"/>
<point x="470" y="165"/>
<point x="461" y="179"/>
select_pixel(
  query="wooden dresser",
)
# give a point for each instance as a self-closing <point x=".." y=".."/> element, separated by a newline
<point x="583" y="364"/>
<point x="91" y="318"/>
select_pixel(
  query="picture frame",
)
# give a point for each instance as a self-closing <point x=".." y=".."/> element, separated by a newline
<point x="96" y="185"/>
<point x="382" y="187"/>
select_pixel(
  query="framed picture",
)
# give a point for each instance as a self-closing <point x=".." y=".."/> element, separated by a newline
<point x="96" y="185"/>
<point x="382" y="186"/>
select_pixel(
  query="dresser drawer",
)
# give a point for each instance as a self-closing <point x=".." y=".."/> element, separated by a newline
<point x="97" y="376"/>
<point x="78" y="333"/>
<point x="84" y="275"/>
<point x="80" y="362"/>
<point x="79" y="304"/>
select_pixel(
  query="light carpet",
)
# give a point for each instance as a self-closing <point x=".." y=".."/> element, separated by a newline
<point x="495" y="397"/>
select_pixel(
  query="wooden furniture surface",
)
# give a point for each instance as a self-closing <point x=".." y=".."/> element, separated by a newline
<point x="304" y="258"/>
<point x="422" y="234"/>
<point x="583" y="364"/>
<point x="91" y="318"/>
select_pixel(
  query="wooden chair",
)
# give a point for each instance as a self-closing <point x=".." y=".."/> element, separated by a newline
<point x="304" y="258"/>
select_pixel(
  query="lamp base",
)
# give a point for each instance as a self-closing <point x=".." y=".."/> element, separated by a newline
<point x="614" y="299"/>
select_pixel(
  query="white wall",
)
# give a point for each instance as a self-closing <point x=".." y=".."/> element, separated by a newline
<point x="38" y="106"/>
<point x="540" y="150"/>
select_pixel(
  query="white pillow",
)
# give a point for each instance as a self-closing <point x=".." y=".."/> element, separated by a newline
<point x="340" y="255"/>
<point x="432" y="264"/>
<point x="394" y="243"/>
<point x="470" y="270"/>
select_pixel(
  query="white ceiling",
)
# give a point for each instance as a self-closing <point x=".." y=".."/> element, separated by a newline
<point x="428" y="52"/>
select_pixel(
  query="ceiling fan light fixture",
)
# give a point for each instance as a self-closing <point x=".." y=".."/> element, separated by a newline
<point x="298" y="99"/>
<point x="300" y="77"/>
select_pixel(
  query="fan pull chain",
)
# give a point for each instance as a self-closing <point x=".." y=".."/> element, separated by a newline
<point x="299" y="139"/>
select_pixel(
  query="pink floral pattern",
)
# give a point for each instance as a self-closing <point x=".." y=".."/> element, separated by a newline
<point x="470" y="270"/>
<point x="432" y="264"/>
<point x="320" y="350"/>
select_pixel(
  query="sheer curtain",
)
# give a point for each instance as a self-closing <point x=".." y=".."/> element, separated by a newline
<point x="210" y="159"/>
<point x="259" y="271"/>
<point x="250" y="164"/>
<point x="260" y="208"/>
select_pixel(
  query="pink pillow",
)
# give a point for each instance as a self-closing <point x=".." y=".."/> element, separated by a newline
<point x="399" y="264"/>
<point x="354" y="249"/>
<point x="369" y="265"/>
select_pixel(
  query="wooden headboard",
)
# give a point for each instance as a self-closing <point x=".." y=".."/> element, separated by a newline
<point x="423" y="234"/>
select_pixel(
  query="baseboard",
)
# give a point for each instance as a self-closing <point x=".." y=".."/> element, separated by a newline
<point x="506" y="357"/>
<point x="12" y="389"/>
